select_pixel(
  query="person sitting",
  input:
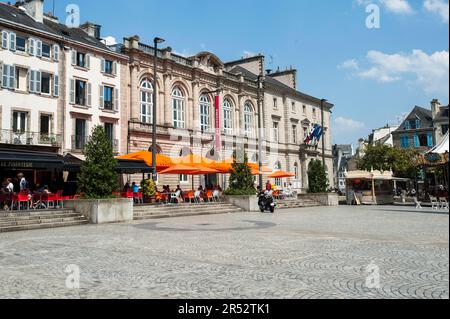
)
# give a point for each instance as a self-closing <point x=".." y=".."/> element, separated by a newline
<point x="179" y="194"/>
<point x="135" y="188"/>
<point x="127" y="187"/>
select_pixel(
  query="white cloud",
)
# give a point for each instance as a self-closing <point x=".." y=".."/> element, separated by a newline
<point x="110" y="40"/>
<point x="343" y="124"/>
<point x="349" y="65"/>
<point x="248" y="54"/>
<point x="185" y="53"/>
<point x="395" y="6"/>
<point x="439" y="7"/>
<point x="430" y="72"/>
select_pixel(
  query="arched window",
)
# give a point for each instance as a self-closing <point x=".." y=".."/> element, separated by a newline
<point x="178" y="108"/>
<point x="248" y="119"/>
<point x="205" y="111"/>
<point x="228" y="116"/>
<point x="146" y="96"/>
<point x="296" y="171"/>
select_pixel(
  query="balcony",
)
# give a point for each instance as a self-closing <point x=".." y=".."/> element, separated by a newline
<point x="79" y="144"/>
<point x="29" y="138"/>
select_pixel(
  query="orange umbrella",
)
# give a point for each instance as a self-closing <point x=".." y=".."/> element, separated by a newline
<point x="281" y="174"/>
<point x="162" y="161"/>
<point x="255" y="166"/>
<point x="179" y="169"/>
<point x="194" y="160"/>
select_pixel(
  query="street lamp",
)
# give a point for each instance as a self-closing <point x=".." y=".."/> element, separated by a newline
<point x="156" y="41"/>
<point x="260" y="137"/>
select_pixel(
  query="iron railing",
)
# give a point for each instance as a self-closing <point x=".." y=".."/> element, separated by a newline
<point x="29" y="138"/>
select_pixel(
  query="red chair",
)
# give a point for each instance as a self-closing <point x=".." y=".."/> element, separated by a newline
<point x="139" y="197"/>
<point x="60" y="199"/>
<point x="21" y="198"/>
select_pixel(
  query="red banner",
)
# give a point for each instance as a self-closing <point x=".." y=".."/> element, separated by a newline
<point x="218" y="141"/>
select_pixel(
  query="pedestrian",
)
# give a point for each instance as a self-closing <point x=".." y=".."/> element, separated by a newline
<point x="268" y="186"/>
<point x="22" y="182"/>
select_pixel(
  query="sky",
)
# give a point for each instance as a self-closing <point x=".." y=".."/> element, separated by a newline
<point x="373" y="76"/>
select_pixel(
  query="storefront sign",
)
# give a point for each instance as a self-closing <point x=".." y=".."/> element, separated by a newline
<point x="14" y="164"/>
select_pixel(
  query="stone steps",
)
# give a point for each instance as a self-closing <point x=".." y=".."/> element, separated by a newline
<point x="166" y="211"/>
<point x="304" y="203"/>
<point x="28" y="220"/>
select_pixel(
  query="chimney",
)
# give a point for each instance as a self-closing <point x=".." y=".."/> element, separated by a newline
<point x="34" y="8"/>
<point x="93" y="30"/>
<point x="435" y="107"/>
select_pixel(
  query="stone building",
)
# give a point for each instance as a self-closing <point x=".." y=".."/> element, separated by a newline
<point x="56" y="84"/>
<point x="208" y="107"/>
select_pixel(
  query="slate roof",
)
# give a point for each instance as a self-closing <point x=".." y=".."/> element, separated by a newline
<point x="18" y="16"/>
<point x="253" y="77"/>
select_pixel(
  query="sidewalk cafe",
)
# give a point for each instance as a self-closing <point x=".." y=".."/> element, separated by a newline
<point x="370" y="188"/>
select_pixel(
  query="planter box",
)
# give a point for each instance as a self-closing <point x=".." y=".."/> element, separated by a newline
<point x="326" y="199"/>
<point x="104" y="210"/>
<point x="247" y="203"/>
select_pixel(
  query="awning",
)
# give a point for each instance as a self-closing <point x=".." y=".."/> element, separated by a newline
<point x="29" y="160"/>
<point x="132" y="167"/>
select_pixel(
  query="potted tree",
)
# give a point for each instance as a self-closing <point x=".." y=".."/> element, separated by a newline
<point x="148" y="190"/>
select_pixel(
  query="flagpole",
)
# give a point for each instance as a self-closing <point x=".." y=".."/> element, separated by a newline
<point x="322" y="105"/>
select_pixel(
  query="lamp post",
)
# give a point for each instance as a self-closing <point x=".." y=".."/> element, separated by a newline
<point x="156" y="41"/>
<point x="260" y="128"/>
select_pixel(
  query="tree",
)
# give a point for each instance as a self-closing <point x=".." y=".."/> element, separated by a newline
<point x="148" y="188"/>
<point x="241" y="178"/>
<point x="318" y="181"/>
<point x="98" y="178"/>
<point x="384" y="158"/>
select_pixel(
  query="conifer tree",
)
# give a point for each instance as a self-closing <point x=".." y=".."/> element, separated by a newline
<point x="318" y="181"/>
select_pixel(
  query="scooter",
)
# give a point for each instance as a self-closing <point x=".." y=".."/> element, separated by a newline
<point x="266" y="202"/>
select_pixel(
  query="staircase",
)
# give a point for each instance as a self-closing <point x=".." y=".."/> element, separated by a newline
<point x="180" y="210"/>
<point x="296" y="203"/>
<point x="28" y="220"/>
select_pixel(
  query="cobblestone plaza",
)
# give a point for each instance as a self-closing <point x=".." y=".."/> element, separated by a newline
<point x="301" y="253"/>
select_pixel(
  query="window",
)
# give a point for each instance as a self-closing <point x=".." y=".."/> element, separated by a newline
<point x="20" y="44"/>
<point x="45" y="126"/>
<point x="46" y="50"/>
<point x="146" y="101"/>
<point x="275" y="103"/>
<point x="413" y="124"/>
<point x="296" y="171"/>
<point x="19" y="122"/>
<point x="9" y="40"/>
<point x="108" y="67"/>
<point x="248" y="119"/>
<point x="21" y="79"/>
<point x="278" y="181"/>
<point x="80" y="59"/>
<point x="305" y="133"/>
<point x="205" y="107"/>
<point x="314" y="112"/>
<point x="80" y="139"/>
<point x="9" y="76"/>
<point x="178" y="108"/>
<point x="294" y="134"/>
<point x="80" y="92"/>
<point x="444" y="129"/>
<point x="109" y="130"/>
<point x="45" y="83"/>
<point x="184" y="179"/>
<point x="5" y="39"/>
<point x="304" y="110"/>
<point x="404" y="140"/>
<point x="108" y="97"/>
<point x="293" y="107"/>
<point x="227" y="116"/>
<point x="276" y="134"/>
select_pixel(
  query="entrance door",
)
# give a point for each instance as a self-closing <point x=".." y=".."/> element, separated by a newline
<point x="19" y="128"/>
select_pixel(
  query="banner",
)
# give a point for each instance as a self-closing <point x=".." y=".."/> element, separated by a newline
<point x="218" y="140"/>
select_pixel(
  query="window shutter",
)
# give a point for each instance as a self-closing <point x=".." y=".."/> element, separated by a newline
<point x="430" y="140"/>
<point x="55" y="85"/>
<point x="38" y="48"/>
<point x="4" y="40"/>
<point x="31" y="46"/>
<point x="1" y="73"/>
<point x="5" y="76"/>
<point x="12" y="77"/>
<point x="418" y="124"/>
<point x="88" y="61"/>
<point x="101" y="100"/>
<point x="116" y="100"/>
<point x="55" y="52"/>
<point x="30" y="81"/>
<point x="38" y="81"/>
<point x="72" y="92"/>
<point x="89" y="94"/>
<point x="12" y="41"/>
<point x="115" y="68"/>
<point x="416" y="141"/>
<point x="74" y="57"/>
<point x="103" y="65"/>
<point x="407" y="125"/>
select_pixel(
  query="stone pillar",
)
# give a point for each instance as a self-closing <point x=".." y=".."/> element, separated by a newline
<point x="134" y="92"/>
<point x="195" y="107"/>
<point x="167" y="100"/>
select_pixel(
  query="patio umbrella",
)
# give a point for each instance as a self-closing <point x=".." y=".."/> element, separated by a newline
<point x="281" y="174"/>
<point x="189" y="170"/>
<point x="162" y="161"/>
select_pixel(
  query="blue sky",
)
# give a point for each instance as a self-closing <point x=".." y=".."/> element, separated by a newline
<point x="373" y="76"/>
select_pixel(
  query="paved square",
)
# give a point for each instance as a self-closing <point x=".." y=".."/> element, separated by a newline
<point x="302" y="253"/>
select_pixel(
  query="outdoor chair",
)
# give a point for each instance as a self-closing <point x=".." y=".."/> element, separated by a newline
<point x="209" y="196"/>
<point x="434" y="203"/>
<point x="443" y="203"/>
<point x="216" y="196"/>
<point x="139" y="197"/>
<point x="417" y="203"/>
<point x="197" y="198"/>
<point x="21" y="198"/>
<point x="190" y="197"/>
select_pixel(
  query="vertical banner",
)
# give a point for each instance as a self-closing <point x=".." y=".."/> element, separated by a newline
<point x="218" y="141"/>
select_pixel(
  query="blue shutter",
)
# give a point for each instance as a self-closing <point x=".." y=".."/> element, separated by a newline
<point x="418" y="124"/>
<point x="416" y="141"/>
<point x="430" y="140"/>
